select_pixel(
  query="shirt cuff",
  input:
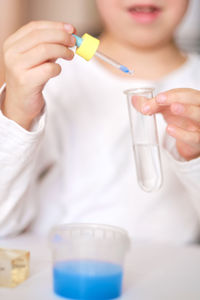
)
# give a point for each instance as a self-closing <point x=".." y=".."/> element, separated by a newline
<point x="37" y="126"/>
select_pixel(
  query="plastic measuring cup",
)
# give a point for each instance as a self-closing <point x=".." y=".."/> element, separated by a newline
<point x="145" y="142"/>
<point x="88" y="260"/>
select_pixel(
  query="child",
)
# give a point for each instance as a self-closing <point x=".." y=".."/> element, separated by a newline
<point x="71" y="159"/>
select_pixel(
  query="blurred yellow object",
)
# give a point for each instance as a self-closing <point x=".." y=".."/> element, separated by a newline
<point x="14" y="267"/>
<point x="88" y="47"/>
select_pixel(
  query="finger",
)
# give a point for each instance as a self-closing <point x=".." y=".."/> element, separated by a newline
<point x="41" y="74"/>
<point x="188" y="111"/>
<point x="146" y="106"/>
<point x="41" y="36"/>
<point x="138" y="102"/>
<point x="184" y="96"/>
<point x="36" y="25"/>
<point x="43" y="53"/>
<point x="179" y="121"/>
<point x="188" y="137"/>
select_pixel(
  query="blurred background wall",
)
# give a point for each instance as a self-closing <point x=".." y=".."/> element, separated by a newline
<point x="81" y="13"/>
<point x="84" y="16"/>
<point x="188" y="33"/>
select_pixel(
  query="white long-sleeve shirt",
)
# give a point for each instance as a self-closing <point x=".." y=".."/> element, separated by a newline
<point x="77" y="165"/>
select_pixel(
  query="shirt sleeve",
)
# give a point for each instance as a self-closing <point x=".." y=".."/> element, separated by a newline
<point x="18" y="152"/>
<point x="188" y="172"/>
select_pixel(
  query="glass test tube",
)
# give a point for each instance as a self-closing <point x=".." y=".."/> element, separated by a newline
<point x="145" y="142"/>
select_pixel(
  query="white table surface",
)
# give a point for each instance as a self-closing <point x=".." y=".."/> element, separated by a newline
<point x="152" y="272"/>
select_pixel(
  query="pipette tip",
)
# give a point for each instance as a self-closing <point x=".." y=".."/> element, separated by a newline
<point x="126" y="70"/>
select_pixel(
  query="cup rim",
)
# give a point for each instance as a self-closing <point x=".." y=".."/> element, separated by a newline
<point x="63" y="227"/>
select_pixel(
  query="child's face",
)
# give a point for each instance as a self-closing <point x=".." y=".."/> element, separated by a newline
<point x="142" y="23"/>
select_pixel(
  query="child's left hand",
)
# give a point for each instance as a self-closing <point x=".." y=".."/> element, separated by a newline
<point x="181" y="110"/>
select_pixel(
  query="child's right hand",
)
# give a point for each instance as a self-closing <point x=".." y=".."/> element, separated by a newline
<point x="30" y="61"/>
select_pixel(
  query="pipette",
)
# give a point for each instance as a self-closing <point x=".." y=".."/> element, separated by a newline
<point x="113" y="63"/>
<point x="87" y="47"/>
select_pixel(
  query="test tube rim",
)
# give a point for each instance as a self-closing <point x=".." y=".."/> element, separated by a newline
<point x="135" y="91"/>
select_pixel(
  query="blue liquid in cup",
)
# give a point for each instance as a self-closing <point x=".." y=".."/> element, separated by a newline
<point x="87" y="279"/>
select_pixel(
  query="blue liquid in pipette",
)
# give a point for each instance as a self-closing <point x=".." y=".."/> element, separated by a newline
<point x="124" y="69"/>
<point x="87" y="280"/>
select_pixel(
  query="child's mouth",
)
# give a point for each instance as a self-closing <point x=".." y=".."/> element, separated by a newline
<point x="144" y="13"/>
